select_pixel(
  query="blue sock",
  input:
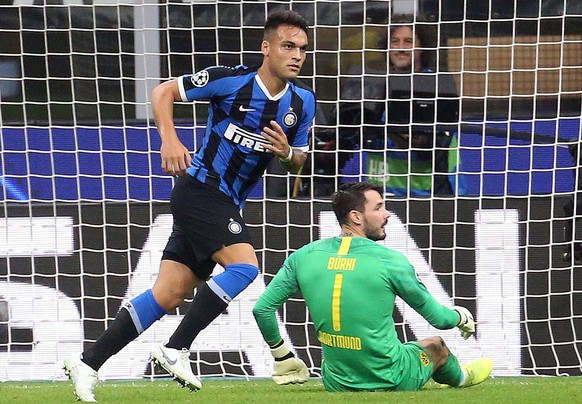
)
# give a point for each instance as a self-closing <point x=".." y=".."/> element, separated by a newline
<point x="233" y="280"/>
<point x="144" y="310"/>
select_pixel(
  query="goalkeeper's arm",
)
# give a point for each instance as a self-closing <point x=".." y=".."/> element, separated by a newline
<point x="288" y="369"/>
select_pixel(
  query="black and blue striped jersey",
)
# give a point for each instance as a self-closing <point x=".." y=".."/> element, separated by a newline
<point x="232" y="156"/>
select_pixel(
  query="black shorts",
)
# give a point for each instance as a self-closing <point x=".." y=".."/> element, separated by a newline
<point x="205" y="220"/>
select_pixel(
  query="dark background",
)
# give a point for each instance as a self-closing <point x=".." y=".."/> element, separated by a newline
<point x="113" y="234"/>
<point x="78" y="64"/>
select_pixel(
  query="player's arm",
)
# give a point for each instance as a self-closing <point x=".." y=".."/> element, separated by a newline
<point x="415" y="294"/>
<point x="296" y="160"/>
<point x="292" y="159"/>
<point x="292" y="156"/>
<point x="175" y="156"/>
<point x="287" y="368"/>
<point x="282" y="287"/>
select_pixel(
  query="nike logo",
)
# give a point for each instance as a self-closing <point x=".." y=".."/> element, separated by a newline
<point x="170" y="361"/>
<point x="245" y="109"/>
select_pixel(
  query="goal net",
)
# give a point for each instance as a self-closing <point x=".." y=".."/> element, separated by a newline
<point x="84" y="203"/>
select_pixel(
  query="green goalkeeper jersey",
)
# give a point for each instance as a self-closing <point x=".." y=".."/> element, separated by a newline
<point x="349" y="285"/>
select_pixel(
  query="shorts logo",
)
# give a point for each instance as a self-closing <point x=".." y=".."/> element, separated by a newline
<point x="290" y="119"/>
<point x="200" y="79"/>
<point x="424" y="359"/>
<point x="234" y="227"/>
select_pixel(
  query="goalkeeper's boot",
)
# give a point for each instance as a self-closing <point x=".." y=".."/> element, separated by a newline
<point x="177" y="364"/>
<point x="477" y="371"/>
<point x="84" y="378"/>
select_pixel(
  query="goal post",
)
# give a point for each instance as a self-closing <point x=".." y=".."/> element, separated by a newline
<point x="84" y="203"/>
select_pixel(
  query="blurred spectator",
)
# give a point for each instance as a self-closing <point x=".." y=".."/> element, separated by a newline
<point x="421" y="146"/>
<point x="403" y="119"/>
<point x="412" y="118"/>
<point x="363" y="67"/>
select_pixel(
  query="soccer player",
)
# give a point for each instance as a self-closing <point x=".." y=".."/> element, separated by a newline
<point x="349" y="284"/>
<point x="255" y="114"/>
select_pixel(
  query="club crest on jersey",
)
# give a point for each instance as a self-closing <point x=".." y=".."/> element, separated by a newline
<point x="200" y="79"/>
<point x="234" y="227"/>
<point x="290" y="119"/>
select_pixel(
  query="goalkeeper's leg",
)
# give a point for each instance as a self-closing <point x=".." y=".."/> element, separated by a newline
<point x="449" y="372"/>
<point x="446" y="369"/>
<point x="477" y="371"/>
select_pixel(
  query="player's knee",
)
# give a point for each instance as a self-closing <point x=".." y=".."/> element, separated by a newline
<point x="172" y="299"/>
<point x="235" y="279"/>
<point x="440" y="343"/>
<point x="436" y="347"/>
<point x="440" y="349"/>
<point x="440" y="346"/>
<point x="247" y="271"/>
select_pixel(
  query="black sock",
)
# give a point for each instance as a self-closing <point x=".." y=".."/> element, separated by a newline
<point x="120" y="333"/>
<point x="205" y="307"/>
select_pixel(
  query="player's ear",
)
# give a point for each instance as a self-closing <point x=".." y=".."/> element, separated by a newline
<point x="265" y="48"/>
<point x="355" y="216"/>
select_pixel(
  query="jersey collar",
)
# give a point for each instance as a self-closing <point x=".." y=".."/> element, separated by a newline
<point x="264" y="88"/>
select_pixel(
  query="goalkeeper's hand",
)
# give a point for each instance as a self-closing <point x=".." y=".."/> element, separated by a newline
<point x="288" y="368"/>
<point x="466" y="322"/>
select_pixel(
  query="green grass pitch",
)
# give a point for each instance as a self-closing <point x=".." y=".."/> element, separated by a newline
<point x="537" y="390"/>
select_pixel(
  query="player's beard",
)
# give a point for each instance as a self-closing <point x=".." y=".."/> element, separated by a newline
<point x="374" y="233"/>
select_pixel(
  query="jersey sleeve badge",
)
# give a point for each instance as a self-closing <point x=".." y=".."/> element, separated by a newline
<point x="200" y="79"/>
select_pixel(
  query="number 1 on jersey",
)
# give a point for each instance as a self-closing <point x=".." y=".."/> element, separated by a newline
<point x="335" y="302"/>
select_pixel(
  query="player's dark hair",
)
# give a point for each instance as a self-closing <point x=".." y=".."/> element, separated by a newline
<point x="351" y="196"/>
<point x="285" y="17"/>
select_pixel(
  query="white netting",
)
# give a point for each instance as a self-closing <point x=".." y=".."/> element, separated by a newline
<point x="84" y="202"/>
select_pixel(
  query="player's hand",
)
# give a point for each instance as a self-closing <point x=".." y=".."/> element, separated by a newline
<point x="288" y="369"/>
<point x="175" y="158"/>
<point x="278" y="140"/>
<point x="466" y="322"/>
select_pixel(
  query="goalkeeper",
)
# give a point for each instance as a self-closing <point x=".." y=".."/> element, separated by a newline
<point x="349" y="284"/>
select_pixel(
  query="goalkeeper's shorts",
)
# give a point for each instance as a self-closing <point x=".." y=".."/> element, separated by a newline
<point x="416" y="366"/>
<point x="409" y="372"/>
